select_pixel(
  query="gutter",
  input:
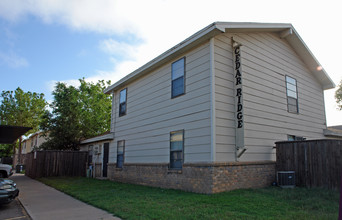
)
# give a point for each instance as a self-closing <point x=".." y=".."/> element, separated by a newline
<point x="104" y="137"/>
<point x="286" y="31"/>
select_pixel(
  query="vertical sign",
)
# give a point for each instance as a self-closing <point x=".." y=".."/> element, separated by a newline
<point x="239" y="125"/>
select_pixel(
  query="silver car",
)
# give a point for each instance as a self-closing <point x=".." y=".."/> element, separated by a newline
<point x="8" y="191"/>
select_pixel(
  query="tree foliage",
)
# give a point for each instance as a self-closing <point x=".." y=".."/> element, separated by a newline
<point x="338" y="96"/>
<point x="19" y="108"/>
<point x="77" y="113"/>
<point x="6" y="150"/>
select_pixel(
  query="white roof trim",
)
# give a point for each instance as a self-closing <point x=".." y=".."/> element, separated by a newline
<point x="332" y="132"/>
<point x="195" y="39"/>
<point x="286" y="31"/>
<point x="104" y="137"/>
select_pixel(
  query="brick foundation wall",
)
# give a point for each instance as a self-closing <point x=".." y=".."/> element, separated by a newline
<point x="243" y="175"/>
<point x="199" y="178"/>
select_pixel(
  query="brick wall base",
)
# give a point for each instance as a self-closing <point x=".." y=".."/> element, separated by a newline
<point x="199" y="178"/>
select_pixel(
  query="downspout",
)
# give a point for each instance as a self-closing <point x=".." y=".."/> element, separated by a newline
<point x="212" y="100"/>
<point x="240" y="148"/>
<point x="113" y="116"/>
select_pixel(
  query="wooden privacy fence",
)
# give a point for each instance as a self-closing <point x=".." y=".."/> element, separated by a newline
<point x="317" y="163"/>
<point x="56" y="163"/>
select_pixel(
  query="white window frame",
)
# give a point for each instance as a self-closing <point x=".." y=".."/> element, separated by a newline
<point x="177" y="72"/>
<point x="123" y="102"/>
<point x="291" y="94"/>
<point x="179" y="151"/>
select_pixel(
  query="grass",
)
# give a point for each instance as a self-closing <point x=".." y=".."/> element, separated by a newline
<point x="129" y="201"/>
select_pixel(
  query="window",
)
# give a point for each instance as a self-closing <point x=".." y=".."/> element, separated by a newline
<point x="123" y="102"/>
<point x="176" y="149"/>
<point x="178" y="72"/>
<point x="295" y="138"/>
<point x="24" y="148"/>
<point x="291" y="93"/>
<point x="120" y="154"/>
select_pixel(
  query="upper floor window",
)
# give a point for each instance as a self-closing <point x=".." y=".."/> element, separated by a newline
<point x="178" y="73"/>
<point x="123" y="102"/>
<point x="292" y="96"/>
<point x="176" y="149"/>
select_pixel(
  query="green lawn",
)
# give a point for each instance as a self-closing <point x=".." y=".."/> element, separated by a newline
<point x="129" y="201"/>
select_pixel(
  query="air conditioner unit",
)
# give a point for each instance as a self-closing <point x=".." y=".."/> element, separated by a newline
<point x="97" y="149"/>
<point x="286" y="179"/>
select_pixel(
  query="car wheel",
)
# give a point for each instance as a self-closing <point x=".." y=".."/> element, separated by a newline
<point x="2" y="175"/>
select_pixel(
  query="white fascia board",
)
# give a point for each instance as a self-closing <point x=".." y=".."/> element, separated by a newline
<point x="285" y="30"/>
<point x="105" y="137"/>
<point x="253" y="26"/>
<point x="310" y="60"/>
<point x="195" y="39"/>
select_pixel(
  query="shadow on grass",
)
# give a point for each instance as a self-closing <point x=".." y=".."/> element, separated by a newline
<point x="130" y="201"/>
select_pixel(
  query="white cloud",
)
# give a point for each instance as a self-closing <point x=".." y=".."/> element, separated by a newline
<point x="12" y="60"/>
<point x="50" y="85"/>
<point x="122" y="49"/>
<point x="101" y="15"/>
<point x="164" y="23"/>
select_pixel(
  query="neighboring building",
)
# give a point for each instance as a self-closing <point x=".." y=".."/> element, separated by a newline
<point x="98" y="148"/>
<point x="28" y="144"/>
<point x="204" y="115"/>
<point x="333" y="132"/>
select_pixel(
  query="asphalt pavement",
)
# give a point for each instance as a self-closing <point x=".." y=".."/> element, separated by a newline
<point x="42" y="202"/>
<point x="13" y="211"/>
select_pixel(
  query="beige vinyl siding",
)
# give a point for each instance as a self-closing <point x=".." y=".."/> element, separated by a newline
<point x="224" y="99"/>
<point x="152" y="114"/>
<point x="266" y="60"/>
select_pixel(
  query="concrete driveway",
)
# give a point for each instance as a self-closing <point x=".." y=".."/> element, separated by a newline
<point x="44" y="202"/>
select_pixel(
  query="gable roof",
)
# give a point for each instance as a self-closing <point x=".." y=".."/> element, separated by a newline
<point x="333" y="131"/>
<point x="286" y="31"/>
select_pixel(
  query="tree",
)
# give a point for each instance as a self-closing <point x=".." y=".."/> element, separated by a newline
<point x="338" y="96"/>
<point x="96" y="108"/>
<point x="5" y="150"/>
<point x="77" y="113"/>
<point x="21" y="108"/>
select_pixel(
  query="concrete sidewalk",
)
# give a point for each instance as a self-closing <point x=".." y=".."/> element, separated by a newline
<point x="44" y="202"/>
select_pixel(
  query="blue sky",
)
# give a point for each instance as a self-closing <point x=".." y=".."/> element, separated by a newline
<point x="45" y="41"/>
<point x="34" y="55"/>
<point x="46" y="52"/>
